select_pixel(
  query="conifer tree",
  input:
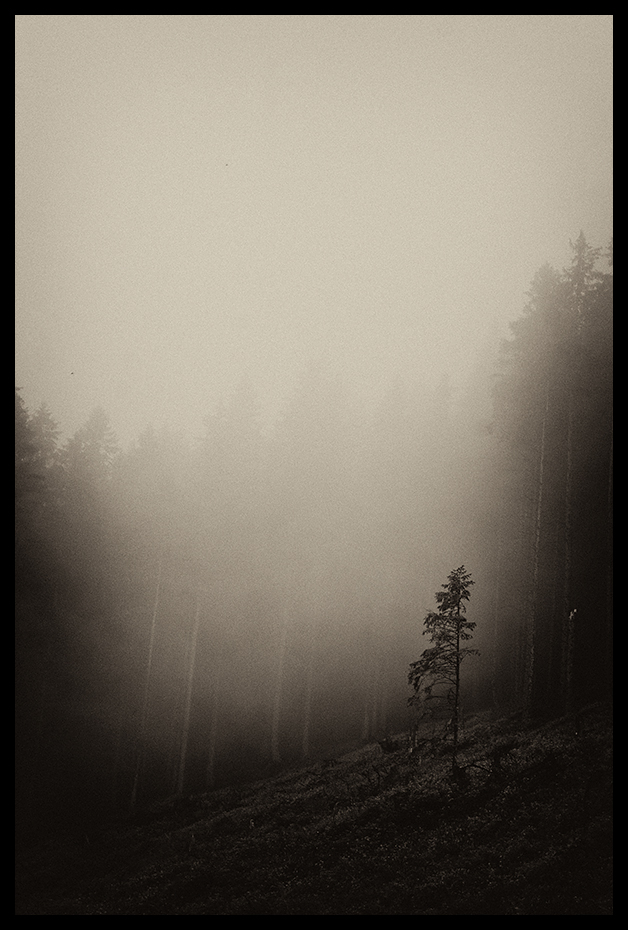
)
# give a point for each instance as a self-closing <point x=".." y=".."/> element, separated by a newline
<point x="437" y="673"/>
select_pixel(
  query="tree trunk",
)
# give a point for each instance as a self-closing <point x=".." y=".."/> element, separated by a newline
<point x="457" y="690"/>
<point x="187" y="711"/>
<point x="495" y="699"/>
<point x="532" y="629"/>
<point x="32" y="790"/>
<point x="307" y="710"/>
<point x="277" y="701"/>
<point x="310" y="614"/>
<point x="213" y="731"/>
<point x="567" y="626"/>
<point x="608" y="632"/>
<point x="376" y="716"/>
<point x="145" y="702"/>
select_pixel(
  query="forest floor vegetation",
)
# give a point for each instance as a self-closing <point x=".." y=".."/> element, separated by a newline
<point x="522" y="825"/>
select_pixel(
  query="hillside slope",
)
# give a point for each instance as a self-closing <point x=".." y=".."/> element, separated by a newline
<point x="524" y="828"/>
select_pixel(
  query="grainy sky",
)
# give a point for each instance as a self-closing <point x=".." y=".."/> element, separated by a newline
<point x="204" y="197"/>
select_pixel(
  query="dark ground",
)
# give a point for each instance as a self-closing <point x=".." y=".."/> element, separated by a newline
<point x="523" y="827"/>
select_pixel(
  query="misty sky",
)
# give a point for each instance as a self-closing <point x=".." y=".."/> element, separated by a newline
<point x="204" y="197"/>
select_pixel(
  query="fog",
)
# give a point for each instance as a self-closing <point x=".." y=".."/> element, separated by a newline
<point x="264" y="269"/>
<point x="200" y="197"/>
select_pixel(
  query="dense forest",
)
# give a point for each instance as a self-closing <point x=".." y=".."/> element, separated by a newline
<point x="191" y="613"/>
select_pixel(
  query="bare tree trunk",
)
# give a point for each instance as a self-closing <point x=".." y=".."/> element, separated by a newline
<point x="307" y="711"/>
<point x="187" y="711"/>
<point x="40" y="724"/>
<point x="278" y="696"/>
<point x="144" y="715"/>
<point x="608" y="637"/>
<point x="117" y="747"/>
<point x="496" y="612"/>
<point x="213" y="730"/>
<point x="312" y="591"/>
<point x="567" y="638"/>
<point x="369" y="664"/>
<point x="532" y="633"/>
<point x="523" y="555"/>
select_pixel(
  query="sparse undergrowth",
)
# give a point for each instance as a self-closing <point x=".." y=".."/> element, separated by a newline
<point x="523" y="826"/>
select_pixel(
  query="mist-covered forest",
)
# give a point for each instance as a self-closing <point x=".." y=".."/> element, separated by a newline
<point x="196" y="611"/>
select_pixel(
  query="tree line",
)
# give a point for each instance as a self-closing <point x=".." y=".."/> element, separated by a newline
<point x="552" y="514"/>
<point x="195" y="611"/>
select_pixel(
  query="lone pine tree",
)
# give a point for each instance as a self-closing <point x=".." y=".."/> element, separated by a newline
<point x="437" y="673"/>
